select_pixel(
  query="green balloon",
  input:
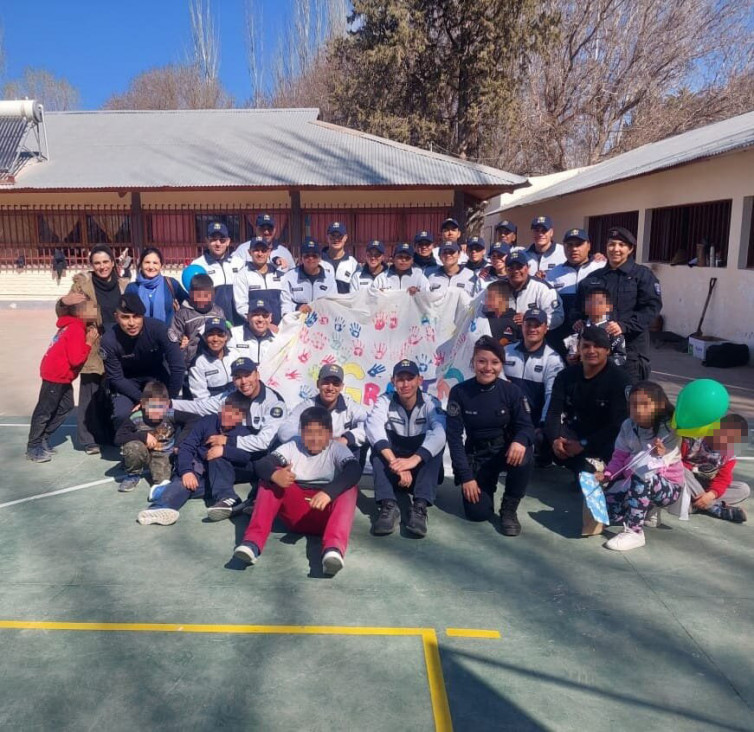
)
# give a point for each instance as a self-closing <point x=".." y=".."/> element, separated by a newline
<point x="701" y="402"/>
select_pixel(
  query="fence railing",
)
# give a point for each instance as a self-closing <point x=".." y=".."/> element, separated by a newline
<point x="30" y="236"/>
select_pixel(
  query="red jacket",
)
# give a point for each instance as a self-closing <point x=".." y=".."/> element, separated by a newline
<point x="67" y="352"/>
<point x="718" y="468"/>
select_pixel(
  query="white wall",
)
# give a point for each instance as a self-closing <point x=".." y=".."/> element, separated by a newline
<point x="731" y="311"/>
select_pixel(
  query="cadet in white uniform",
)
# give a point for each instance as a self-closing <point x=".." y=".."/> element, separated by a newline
<point x="258" y="279"/>
<point x="401" y="274"/>
<point x="308" y="282"/>
<point x="544" y="253"/>
<point x="343" y="265"/>
<point x="529" y="292"/>
<point x="452" y="274"/>
<point x="254" y="338"/>
<point x="374" y="266"/>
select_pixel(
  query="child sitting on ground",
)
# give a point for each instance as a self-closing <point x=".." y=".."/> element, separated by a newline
<point x="203" y="469"/>
<point x="599" y="312"/>
<point x="648" y="460"/>
<point x="708" y="467"/>
<point x="311" y="483"/>
<point x="60" y="365"/>
<point x="209" y="374"/>
<point x="147" y="438"/>
<point x="188" y="323"/>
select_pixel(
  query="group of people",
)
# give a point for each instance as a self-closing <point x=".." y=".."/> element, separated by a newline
<point x="171" y="377"/>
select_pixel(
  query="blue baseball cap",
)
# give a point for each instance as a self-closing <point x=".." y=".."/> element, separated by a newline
<point x="310" y="246"/>
<point x="517" y="258"/>
<point x="258" y="243"/>
<point x="499" y="248"/>
<point x="337" y="227"/>
<point x="450" y="224"/>
<point x="507" y="226"/>
<point x="217" y="228"/>
<point x="403" y="248"/>
<point x="242" y="365"/>
<point x="211" y="324"/>
<point x="264" y="219"/>
<point x="449" y="246"/>
<point x="332" y="371"/>
<point x="259" y="305"/>
<point x="545" y="221"/>
<point x="536" y="314"/>
<point x="423" y="236"/>
<point x="476" y="242"/>
<point x="376" y="244"/>
<point x="406" y="367"/>
<point x="579" y="234"/>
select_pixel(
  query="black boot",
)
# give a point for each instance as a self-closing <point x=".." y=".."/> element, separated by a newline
<point x="508" y="518"/>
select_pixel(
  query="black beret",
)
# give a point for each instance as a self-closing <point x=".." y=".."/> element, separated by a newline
<point x="621" y="234"/>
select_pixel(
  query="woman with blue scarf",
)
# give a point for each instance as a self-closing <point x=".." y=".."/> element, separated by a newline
<point x="160" y="295"/>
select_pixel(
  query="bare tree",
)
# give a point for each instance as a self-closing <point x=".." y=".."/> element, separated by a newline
<point x="55" y="93"/>
<point x="254" y="50"/>
<point x="205" y="42"/>
<point x="171" y="87"/>
<point x="619" y="66"/>
<point x="2" y="51"/>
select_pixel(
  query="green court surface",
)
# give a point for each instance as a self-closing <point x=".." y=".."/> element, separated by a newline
<point x="106" y="624"/>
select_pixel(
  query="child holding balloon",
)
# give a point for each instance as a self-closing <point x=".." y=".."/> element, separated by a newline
<point x="648" y="460"/>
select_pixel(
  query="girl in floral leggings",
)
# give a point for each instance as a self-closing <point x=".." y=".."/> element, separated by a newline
<point x="648" y="459"/>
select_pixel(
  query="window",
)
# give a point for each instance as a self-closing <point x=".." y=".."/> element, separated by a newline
<point x="108" y="228"/>
<point x="599" y="225"/>
<point x="678" y="232"/>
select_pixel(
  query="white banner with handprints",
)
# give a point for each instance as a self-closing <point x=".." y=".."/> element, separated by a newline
<point x="367" y="333"/>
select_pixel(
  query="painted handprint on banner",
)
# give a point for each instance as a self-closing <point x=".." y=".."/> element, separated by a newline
<point x="376" y="369"/>
<point x="306" y="391"/>
<point x="429" y="333"/>
<point x="358" y="348"/>
<point x="292" y="375"/>
<point x="318" y="340"/>
<point x="304" y="356"/>
<point x="311" y="319"/>
<point x="355" y="330"/>
<point x="339" y="324"/>
<point x="329" y="359"/>
<point x="304" y="335"/>
<point x="414" y="336"/>
<point x="439" y="358"/>
<point x="379" y="350"/>
<point x="423" y="361"/>
<point x="393" y="320"/>
<point x="324" y="320"/>
<point x="379" y="321"/>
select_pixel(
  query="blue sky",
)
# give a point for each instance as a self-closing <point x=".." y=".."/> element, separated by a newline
<point x="99" y="45"/>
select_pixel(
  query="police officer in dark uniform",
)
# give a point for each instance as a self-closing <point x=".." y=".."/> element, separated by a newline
<point x="136" y="350"/>
<point x="636" y="298"/>
<point x="495" y="416"/>
<point x="588" y="404"/>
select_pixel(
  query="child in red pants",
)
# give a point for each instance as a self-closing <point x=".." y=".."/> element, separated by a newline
<point x="310" y="482"/>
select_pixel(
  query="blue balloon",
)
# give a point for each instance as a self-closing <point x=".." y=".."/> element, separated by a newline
<point x="189" y="273"/>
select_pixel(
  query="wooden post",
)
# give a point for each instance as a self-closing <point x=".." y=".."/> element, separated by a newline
<point x="296" y="225"/>
<point x="137" y="225"/>
<point x="459" y="208"/>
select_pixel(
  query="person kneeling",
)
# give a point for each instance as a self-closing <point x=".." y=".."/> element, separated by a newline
<point x="311" y="483"/>
<point x="406" y="430"/>
<point x="204" y="467"/>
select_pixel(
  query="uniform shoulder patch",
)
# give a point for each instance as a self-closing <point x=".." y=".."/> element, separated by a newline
<point x="276" y="412"/>
<point x="525" y="404"/>
<point x="454" y="409"/>
<point x="628" y="391"/>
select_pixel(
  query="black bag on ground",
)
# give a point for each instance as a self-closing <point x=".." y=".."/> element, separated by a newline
<point x="727" y="355"/>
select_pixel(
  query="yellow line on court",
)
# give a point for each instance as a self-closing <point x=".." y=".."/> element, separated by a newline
<point x="472" y="633"/>
<point x="437" y="691"/>
<point x="436" y="681"/>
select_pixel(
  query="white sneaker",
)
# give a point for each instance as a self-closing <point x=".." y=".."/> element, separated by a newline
<point x="653" y="518"/>
<point x="332" y="562"/>
<point x="626" y="541"/>
<point x="161" y="516"/>
<point x="245" y="553"/>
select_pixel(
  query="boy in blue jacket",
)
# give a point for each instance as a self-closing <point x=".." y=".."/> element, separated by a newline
<point x="203" y="469"/>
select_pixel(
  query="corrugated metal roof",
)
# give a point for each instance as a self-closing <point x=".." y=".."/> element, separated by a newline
<point x="230" y="148"/>
<point x="715" y="139"/>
